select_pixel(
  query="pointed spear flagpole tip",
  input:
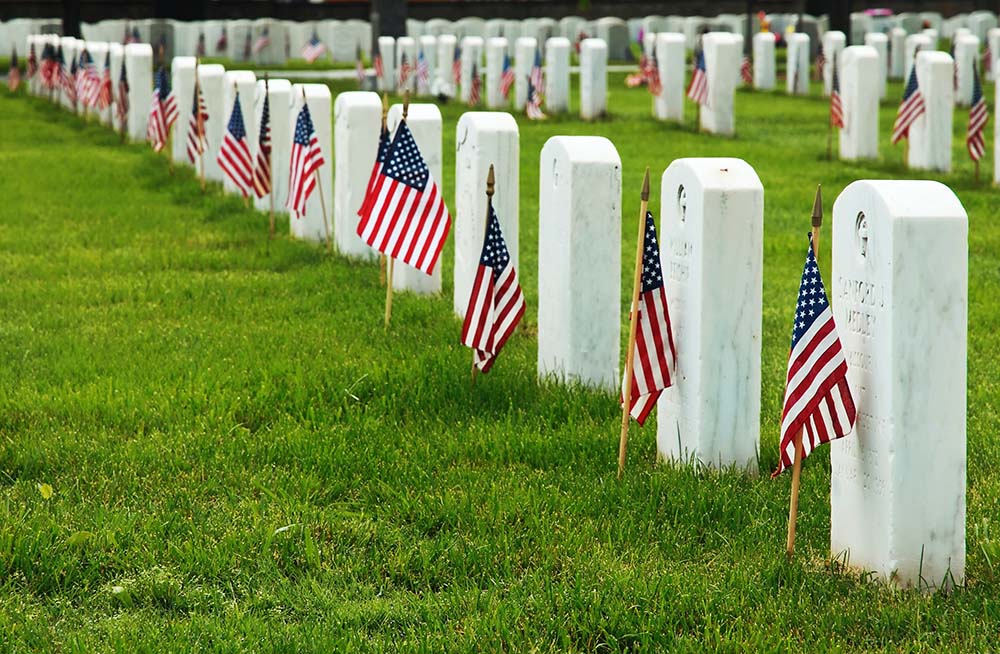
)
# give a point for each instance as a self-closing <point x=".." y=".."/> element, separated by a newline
<point x="406" y="103"/>
<point x="385" y="105"/>
<point x="817" y="214"/>
<point x="645" y="186"/>
<point x="490" y="182"/>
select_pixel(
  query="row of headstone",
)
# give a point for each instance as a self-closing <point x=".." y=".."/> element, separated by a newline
<point x="264" y="41"/>
<point x="14" y="33"/>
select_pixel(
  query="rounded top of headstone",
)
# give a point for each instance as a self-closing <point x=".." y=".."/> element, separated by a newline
<point x="835" y="35"/>
<point x="283" y="85"/>
<point x="494" y="121"/>
<point x="967" y="39"/>
<point x="558" y="41"/>
<point x="724" y="173"/>
<point x="139" y="50"/>
<point x="899" y="199"/>
<point x="357" y="99"/>
<point x="211" y="70"/>
<point x="497" y="41"/>
<point x="240" y="76"/>
<point x="798" y="37"/>
<point x="415" y="113"/>
<point x="876" y="37"/>
<point x="183" y="62"/>
<point x="581" y="149"/>
<point x="593" y="44"/>
<point x="860" y="53"/>
<point x="934" y="57"/>
<point x="472" y="40"/>
<point x="312" y="91"/>
<point x="670" y="37"/>
<point x="526" y="41"/>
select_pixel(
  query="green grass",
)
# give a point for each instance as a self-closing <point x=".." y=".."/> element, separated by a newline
<point x="241" y="459"/>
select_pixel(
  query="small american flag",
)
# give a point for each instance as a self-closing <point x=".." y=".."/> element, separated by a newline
<point x="247" y="47"/>
<point x="69" y="82"/>
<point x="836" y="105"/>
<point x="377" y="62"/>
<point x="698" y="88"/>
<point x="90" y="84"/>
<point x="32" y="65"/>
<point x="121" y="102"/>
<point x="456" y="66"/>
<point x="407" y="218"/>
<point x="978" y="115"/>
<point x="315" y="49"/>
<point x="14" y="76"/>
<point x="404" y="72"/>
<point x="533" y="107"/>
<point x="104" y="94"/>
<point x="654" y="357"/>
<point x="223" y="42"/>
<point x="196" y="125"/>
<point x="423" y="74"/>
<point x="911" y="108"/>
<point x="80" y="77"/>
<point x="746" y="70"/>
<point x="262" y="41"/>
<point x="262" y="171"/>
<point x="306" y="160"/>
<point x="476" y="87"/>
<point x="496" y="303"/>
<point x="131" y="36"/>
<point x="157" y="127"/>
<point x="359" y="67"/>
<point x="536" y="74"/>
<point x="199" y="50"/>
<point x="506" y="77"/>
<point x="653" y="82"/>
<point x="234" y="153"/>
<point x="818" y="399"/>
<point x="639" y="78"/>
<point x="380" y="155"/>
<point x="48" y="67"/>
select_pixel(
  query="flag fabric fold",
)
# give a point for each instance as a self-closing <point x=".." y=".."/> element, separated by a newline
<point x="234" y="153"/>
<point x="698" y="88"/>
<point x="975" y="141"/>
<point x="262" y="171"/>
<point x="836" y="104"/>
<point x="196" y="139"/>
<point x="307" y="157"/>
<point x="910" y="109"/>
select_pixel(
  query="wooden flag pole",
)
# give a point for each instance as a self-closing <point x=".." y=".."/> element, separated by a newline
<point x="381" y="256"/>
<point x="490" y="187"/>
<point x="633" y="323"/>
<point x="201" y="128"/>
<point x="793" y="504"/>
<point x="389" y="259"/>
<point x="829" y="139"/>
<point x="270" y="168"/>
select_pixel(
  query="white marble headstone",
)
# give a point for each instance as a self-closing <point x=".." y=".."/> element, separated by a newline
<point x="579" y="229"/>
<point x="496" y="51"/>
<point x="524" y="57"/>
<point x="424" y="121"/>
<point x="712" y="213"/>
<point x="406" y="47"/>
<point x="483" y="139"/>
<point x="472" y="63"/>
<point x="900" y="301"/>
<point x="931" y="134"/>
<point x="914" y="42"/>
<point x="139" y="66"/>
<point x="797" y="68"/>
<point x="211" y="77"/>
<point x="859" y="80"/>
<point x="311" y="226"/>
<point x="557" y="50"/>
<point x="833" y="43"/>
<point x="444" y="79"/>
<point x="897" y="52"/>
<point x="764" y="76"/>
<point x="357" y="122"/>
<point x="387" y="49"/>
<point x="993" y="51"/>
<point x="593" y="79"/>
<point x="670" y="59"/>
<point x="966" y="56"/>
<point x="880" y="42"/>
<point x="182" y="85"/>
<point x="279" y="92"/>
<point x="427" y="45"/>
<point x="722" y="63"/>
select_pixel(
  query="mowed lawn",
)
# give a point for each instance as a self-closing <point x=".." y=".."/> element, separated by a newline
<point x="240" y="459"/>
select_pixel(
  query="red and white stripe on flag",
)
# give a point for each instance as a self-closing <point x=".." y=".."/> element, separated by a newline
<point x="654" y="356"/>
<point x="234" y="153"/>
<point x="307" y="157"/>
<point x="407" y="218"/>
<point x="156" y="128"/>
<point x="818" y="400"/>
<point x="496" y="303"/>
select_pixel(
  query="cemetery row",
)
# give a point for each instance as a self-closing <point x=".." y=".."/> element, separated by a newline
<point x="898" y="483"/>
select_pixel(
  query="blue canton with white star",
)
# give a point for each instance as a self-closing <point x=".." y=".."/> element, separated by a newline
<point x="404" y="162"/>
<point x="495" y="253"/>
<point x="303" y="127"/>
<point x="236" y="127"/>
<point x="162" y="83"/>
<point x="652" y="272"/>
<point x="812" y="298"/>
<point x="383" y="145"/>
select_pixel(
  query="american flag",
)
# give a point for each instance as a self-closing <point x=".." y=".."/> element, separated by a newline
<point x="196" y="139"/>
<point x="632" y="80"/>
<point x="307" y="157"/>
<point x="32" y="65"/>
<point x="199" y="50"/>
<point x="978" y="115"/>
<point x="377" y="61"/>
<point x="404" y="72"/>
<point x="131" y="36"/>
<point x="655" y="356"/>
<point x="247" y="47"/>
<point x="911" y="108"/>
<point x="836" y="104"/>
<point x="121" y="102"/>
<point x="80" y="76"/>
<point x="69" y="82"/>
<point x="746" y="70"/>
<point x="456" y="66"/>
<point x="496" y="303"/>
<point x="91" y="83"/>
<point x="698" y="88"/>
<point x="476" y="86"/>
<point x="262" y="171"/>
<point x="817" y="397"/>
<point x="223" y="42"/>
<point x="533" y="107"/>
<point x="262" y="41"/>
<point x="359" y="67"/>
<point x="157" y="128"/>
<point x="104" y="93"/>
<point x="407" y="218"/>
<point x="48" y="66"/>
<point x="315" y="49"/>
<point x="536" y="74"/>
<point x="234" y="153"/>
<point x="423" y="74"/>
<point x="506" y="77"/>
<point x="380" y="155"/>
<point x="653" y="82"/>
<point x="14" y="77"/>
